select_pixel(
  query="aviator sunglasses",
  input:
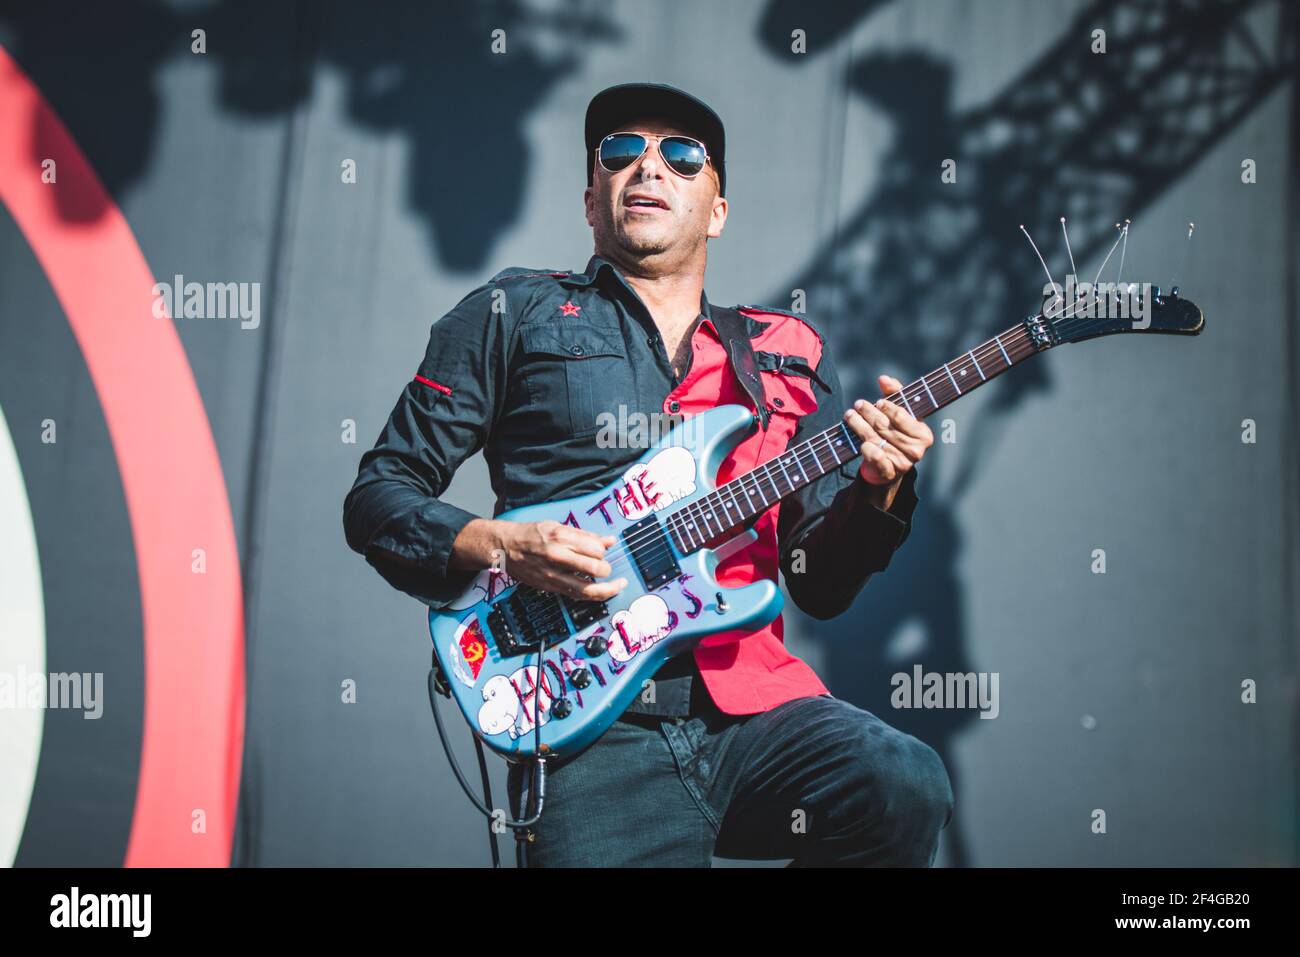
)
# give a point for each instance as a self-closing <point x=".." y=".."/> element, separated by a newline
<point x="684" y="156"/>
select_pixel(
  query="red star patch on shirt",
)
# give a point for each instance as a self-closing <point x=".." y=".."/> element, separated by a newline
<point x="569" y="309"/>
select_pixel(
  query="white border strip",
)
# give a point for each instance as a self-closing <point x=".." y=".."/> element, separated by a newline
<point x="22" y="645"/>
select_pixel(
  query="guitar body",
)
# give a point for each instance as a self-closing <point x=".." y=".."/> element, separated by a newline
<point x="672" y="601"/>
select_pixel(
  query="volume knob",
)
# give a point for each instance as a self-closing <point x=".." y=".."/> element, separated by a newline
<point x="596" y="645"/>
<point x="581" y="677"/>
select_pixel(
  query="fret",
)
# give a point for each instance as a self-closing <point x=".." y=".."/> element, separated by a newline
<point x="983" y="378"/>
<point x="684" y="536"/>
<point x="745" y="508"/>
<point x="770" y="474"/>
<point x="688" y="518"/>
<point x="718" y="518"/>
<point x="785" y="473"/>
<point x="846" y="444"/>
<point x="903" y="393"/>
<point x="998" y="340"/>
<point x="749" y="498"/>
<point x="693" y="539"/>
<point x="928" y="392"/>
<point x="704" y="515"/>
<point x="806" y="480"/>
<point x="951" y="379"/>
<point x="834" y="449"/>
<point x="850" y="446"/>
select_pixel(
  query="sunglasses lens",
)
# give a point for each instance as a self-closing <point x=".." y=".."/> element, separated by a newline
<point x="621" y="150"/>
<point x="686" y="157"/>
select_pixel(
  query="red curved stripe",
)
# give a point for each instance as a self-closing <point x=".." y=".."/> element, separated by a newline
<point x="175" y="491"/>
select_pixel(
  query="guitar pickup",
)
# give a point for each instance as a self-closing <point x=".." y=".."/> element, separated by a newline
<point x="584" y="613"/>
<point x="651" y="552"/>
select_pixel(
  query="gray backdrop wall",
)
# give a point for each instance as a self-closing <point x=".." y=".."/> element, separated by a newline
<point x="1120" y="691"/>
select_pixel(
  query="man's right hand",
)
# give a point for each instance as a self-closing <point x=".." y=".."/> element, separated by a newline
<point x="548" y="555"/>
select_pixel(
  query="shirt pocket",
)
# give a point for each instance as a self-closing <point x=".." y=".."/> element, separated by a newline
<point x="788" y="397"/>
<point x="574" y="373"/>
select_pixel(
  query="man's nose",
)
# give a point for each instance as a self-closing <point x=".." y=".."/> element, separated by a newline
<point x="651" y="164"/>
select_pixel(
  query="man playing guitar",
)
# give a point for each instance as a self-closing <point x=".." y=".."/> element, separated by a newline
<point x="736" y="749"/>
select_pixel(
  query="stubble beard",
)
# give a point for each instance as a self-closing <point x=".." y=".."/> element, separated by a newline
<point x="659" y="246"/>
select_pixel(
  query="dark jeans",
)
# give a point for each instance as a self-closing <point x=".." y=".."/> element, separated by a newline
<point x="816" y="780"/>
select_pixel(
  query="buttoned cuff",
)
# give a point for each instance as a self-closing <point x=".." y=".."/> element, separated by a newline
<point x="879" y="531"/>
<point x="419" y="561"/>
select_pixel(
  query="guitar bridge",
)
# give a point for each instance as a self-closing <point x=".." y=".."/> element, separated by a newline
<point x="526" y="621"/>
<point x="531" y="618"/>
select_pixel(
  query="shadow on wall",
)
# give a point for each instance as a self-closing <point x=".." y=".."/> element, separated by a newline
<point x="424" y="70"/>
<point x="928" y="269"/>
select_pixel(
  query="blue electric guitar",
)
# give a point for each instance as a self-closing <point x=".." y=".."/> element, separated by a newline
<point x="530" y="669"/>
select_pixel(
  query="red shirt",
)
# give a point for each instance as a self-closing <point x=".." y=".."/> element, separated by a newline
<point x="747" y="672"/>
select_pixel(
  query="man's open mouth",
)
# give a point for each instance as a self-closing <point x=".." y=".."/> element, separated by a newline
<point x="644" y="201"/>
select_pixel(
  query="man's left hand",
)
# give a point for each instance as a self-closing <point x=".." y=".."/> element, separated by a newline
<point x="884" y="464"/>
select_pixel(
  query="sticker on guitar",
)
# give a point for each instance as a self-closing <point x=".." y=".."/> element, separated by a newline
<point x="467" y="651"/>
<point x="508" y="703"/>
<point x="654" y="485"/>
<point x="486" y="586"/>
<point x="646" y="621"/>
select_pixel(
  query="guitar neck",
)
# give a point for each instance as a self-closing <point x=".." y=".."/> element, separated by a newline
<point x="729" y="507"/>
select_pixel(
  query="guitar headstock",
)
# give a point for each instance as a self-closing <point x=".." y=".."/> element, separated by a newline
<point x="1137" y="307"/>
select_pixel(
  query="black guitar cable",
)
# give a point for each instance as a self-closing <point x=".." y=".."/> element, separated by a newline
<point x="536" y="779"/>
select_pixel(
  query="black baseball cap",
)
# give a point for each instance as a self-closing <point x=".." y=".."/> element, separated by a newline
<point x="616" y="105"/>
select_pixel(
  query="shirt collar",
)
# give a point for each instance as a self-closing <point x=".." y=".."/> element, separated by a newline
<point x="596" y="263"/>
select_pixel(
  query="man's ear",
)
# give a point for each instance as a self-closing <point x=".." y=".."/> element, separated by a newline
<point x="588" y="195"/>
<point x="717" y="217"/>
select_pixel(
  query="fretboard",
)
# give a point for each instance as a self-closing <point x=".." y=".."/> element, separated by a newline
<point x="729" y="507"/>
